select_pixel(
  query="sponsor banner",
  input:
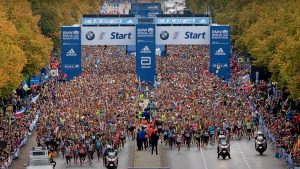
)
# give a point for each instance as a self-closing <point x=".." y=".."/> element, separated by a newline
<point x="35" y="80"/>
<point x="145" y="13"/>
<point x="220" y="51"/>
<point x="119" y="35"/>
<point x="71" y="51"/>
<point x="146" y="6"/>
<point x="177" y="35"/>
<point x="182" y="20"/>
<point x="108" y="21"/>
<point x="131" y="48"/>
<point x="145" y="52"/>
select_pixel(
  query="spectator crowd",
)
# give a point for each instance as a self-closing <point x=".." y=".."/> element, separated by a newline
<point x="15" y="128"/>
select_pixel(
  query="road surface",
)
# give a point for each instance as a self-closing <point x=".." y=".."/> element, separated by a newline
<point x="243" y="155"/>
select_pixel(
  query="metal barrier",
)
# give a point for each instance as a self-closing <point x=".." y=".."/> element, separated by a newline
<point x="15" y="155"/>
<point x="280" y="153"/>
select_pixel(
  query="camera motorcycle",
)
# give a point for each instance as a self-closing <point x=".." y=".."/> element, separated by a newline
<point x="223" y="147"/>
<point x="260" y="143"/>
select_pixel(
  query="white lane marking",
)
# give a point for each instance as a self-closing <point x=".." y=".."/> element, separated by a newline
<point x="203" y="159"/>
<point x="243" y="155"/>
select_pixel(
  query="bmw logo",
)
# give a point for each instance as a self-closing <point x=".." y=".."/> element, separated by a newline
<point x="164" y="35"/>
<point x="90" y="35"/>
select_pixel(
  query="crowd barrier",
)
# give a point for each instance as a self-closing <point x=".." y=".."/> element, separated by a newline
<point x="15" y="155"/>
<point x="280" y="153"/>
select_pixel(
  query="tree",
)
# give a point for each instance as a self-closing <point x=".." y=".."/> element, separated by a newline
<point x="55" y="14"/>
<point x="12" y="58"/>
<point x="35" y="45"/>
<point x="272" y="38"/>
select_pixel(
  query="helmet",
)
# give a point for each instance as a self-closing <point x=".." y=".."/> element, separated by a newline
<point x="108" y="147"/>
<point x="259" y="133"/>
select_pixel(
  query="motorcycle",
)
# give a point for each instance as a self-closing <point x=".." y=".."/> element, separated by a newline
<point x="223" y="149"/>
<point x="260" y="145"/>
<point x="111" y="160"/>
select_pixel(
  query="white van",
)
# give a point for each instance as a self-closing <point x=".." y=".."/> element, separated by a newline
<point x="39" y="159"/>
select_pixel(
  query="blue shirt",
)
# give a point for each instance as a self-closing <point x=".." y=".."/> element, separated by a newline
<point x="212" y="129"/>
<point x="142" y="134"/>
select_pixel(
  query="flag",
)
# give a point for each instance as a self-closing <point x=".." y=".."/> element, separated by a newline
<point x="140" y="87"/>
<point x="34" y="99"/>
<point x="19" y="113"/>
<point x="100" y="113"/>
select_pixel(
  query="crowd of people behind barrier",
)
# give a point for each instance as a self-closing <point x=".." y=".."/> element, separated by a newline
<point x="79" y="117"/>
<point x="15" y="130"/>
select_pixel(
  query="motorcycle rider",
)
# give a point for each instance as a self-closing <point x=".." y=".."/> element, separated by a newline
<point x="259" y="133"/>
<point x="260" y="142"/>
<point x="108" y="149"/>
<point x="260" y="136"/>
<point x="221" y="140"/>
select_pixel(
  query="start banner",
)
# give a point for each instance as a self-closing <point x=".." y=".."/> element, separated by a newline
<point x="113" y="35"/>
<point x="182" y="35"/>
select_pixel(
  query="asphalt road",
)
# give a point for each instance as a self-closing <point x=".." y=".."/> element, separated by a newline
<point x="243" y="156"/>
<point x="125" y="160"/>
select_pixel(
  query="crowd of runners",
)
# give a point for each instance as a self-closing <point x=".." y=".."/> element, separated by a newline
<point x="195" y="106"/>
<point x="82" y="116"/>
<point x="100" y="107"/>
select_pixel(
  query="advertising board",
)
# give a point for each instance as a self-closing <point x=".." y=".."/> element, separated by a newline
<point x="179" y="35"/>
<point x="118" y="35"/>
<point x="220" y="51"/>
<point x="145" y="52"/>
<point x="182" y="20"/>
<point x="70" y="51"/>
<point x="108" y="21"/>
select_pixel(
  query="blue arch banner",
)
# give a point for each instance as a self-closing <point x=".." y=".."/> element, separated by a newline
<point x="70" y="51"/>
<point x="220" y="51"/>
<point x="144" y="38"/>
<point x="145" y="52"/>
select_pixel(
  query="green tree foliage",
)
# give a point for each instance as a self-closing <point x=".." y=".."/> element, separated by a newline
<point x="55" y="13"/>
<point x="35" y="45"/>
<point x="269" y="30"/>
<point x="12" y="57"/>
<point x="24" y="49"/>
<point x="24" y="26"/>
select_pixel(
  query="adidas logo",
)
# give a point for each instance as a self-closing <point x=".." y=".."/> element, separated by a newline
<point x="71" y="52"/>
<point x="220" y="52"/>
<point x="203" y="21"/>
<point x="145" y="50"/>
<point x="130" y="21"/>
